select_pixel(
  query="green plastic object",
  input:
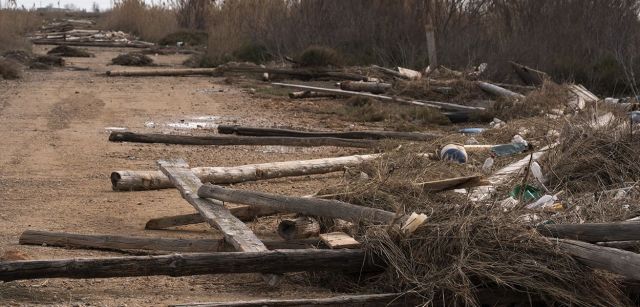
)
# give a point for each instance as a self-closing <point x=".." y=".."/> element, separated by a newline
<point x="531" y="193"/>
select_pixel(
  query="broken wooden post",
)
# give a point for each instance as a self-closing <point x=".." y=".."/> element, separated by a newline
<point x="361" y="86"/>
<point x="529" y="75"/>
<point x="164" y="72"/>
<point x="124" y="243"/>
<point x="235" y="231"/>
<point x="310" y="94"/>
<point x="498" y="91"/>
<point x="391" y="299"/>
<point x="593" y="232"/>
<point x="421" y="103"/>
<point x="299" y="228"/>
<point x="277" y="261"/>
<point x="372" y="135"/>
<point x="133" y="137"/>
<point x="301" y="205"/>
<point x="152" y="180"/>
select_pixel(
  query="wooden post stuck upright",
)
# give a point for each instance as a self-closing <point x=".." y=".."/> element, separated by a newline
<point x="235" y="231"/>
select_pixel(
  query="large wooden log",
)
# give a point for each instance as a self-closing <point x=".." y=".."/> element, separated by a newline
<point x="498" y="91"/>
<point x="124" y="243"/>
<point x="301" y="205"/>
<point x="372" y="135"/>
<point x="243" y="213"/>
<point x="116" y="136"/>
<point x="362" y="86"/>
<point x="617" y="261"/>
<point x="392" y="299"/>
<point x="431" y="104"/>
<point x="305" y="74"/>
<point x="235" y="231"/>
<point x="278" y="261"/>
<point x="593" y="232"/>
<point x="90" y="44"/>
<point x="152" y="180"/>
<point x="164" y="72"/>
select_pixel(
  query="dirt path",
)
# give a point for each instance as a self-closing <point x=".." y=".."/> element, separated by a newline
<point x="55" y="164"/>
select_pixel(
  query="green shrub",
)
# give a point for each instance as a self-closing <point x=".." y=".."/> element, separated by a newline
<point x="318" y="56"/>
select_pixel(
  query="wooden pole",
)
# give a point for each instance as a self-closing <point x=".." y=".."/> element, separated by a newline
<point x="310" y="94"/>
<point x="90" y="44"/>
<point x="299" y="228"/>
<point x="431" y="104"/>
<point x="278" y="261"/>
<point x="236" y="140"/>
<point x="593" y="232"/>
<point x="124" y="243"/>
<point x="152" y="180"/>
<point x="163" y="72"/>
<point x="362" y="86"/>
<point x="372" y="135"/>
<point x="305" y="74"/>
<point x="391" y="299"/>
<point x="235" y="231"/>
<point x="617" y="261"/>
<point x="498" y="91"/>
<point x="301" y="205"/>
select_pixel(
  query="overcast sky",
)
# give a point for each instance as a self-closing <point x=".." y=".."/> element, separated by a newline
<point x="82" y="4"/>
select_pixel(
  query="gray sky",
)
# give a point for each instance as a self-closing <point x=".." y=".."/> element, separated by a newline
<point x="82" y="4"/>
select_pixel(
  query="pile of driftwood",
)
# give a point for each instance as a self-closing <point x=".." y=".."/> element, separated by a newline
<point x="79" y="33"/>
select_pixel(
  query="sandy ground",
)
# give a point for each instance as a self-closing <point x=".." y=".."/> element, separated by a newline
<point x="55" y="162"/>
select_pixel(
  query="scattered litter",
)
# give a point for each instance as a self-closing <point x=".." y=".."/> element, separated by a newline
<point x="150" y="124"/>
<point x="472" y="130"/>
<point x="530" y="193"/>
<point x="454" y="152"/>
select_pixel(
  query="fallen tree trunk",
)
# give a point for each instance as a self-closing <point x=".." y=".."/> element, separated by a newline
<point x="235" y="140"/>
<point x="301" y="205"/>
<point x="431" y="104"/>
<point x="152" y="180"/>
<point x="498" y="91"/>
<point x="278" y="261"/>
<point x="163" y="72"/>
<point x="310" y="94"/>
<point x="299" y="228"/>
<point x="89" y="44"/>
<point x="392" y="299"/>
<point x="361" y="86"/>
<point x="371" y="135"/>
<point x="529" y="75"/>
<point x="305" y="74"/>
<point x="120" y="243"/>
<point x="600" y="232"/>
<point x="617" y="261"/>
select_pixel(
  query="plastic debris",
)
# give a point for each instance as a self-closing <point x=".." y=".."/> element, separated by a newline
<point x="454" y="152"/>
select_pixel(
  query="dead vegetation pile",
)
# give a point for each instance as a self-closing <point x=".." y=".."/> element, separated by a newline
<point x="46" y="62"/>
<point x="66" y="51"/>
<point x="9" y="69"/>
<point x="463" y="250"/>
<point x="597" y="152"/>
<point x="132" y="59"/>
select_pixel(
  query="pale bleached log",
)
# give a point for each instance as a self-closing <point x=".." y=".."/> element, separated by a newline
<point x="393" y="299"/>
<point x="277" y="261"/>
<point x="126" y="243"/>
<point x="431" y="104"/>
<point x="362" y="86"/>
<point x="498" y="91"/>
<point x="151" y="180"/>
<point x="301" y="205"/>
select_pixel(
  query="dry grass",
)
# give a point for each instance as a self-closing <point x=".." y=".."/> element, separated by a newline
<point x="463" y="248"/>
<point x="149" y="22"/>
<point x="66" y="51"/>
<point x="132" y="59"/>
<point x="13" y="25"/>
<point x="9" y="70"/>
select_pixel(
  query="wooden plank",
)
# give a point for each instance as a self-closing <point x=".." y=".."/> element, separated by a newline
<point x="371" y="135"/>
<point x="278" y="261"/>
<point x="336" y="240"/>
<point x="451" y="183"/>
<point x="225" y="140"/>
<point x="593" y="232"/>
<point x="431" y="104"/>
<point x="235" y="231"/>
<point x="126" y="243"/>
<point x="243" y="213"/>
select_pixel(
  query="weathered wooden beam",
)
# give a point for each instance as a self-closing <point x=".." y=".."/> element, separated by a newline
<point x="363" y="86"/>
<point x="431" y="104"/>
<point x="451" y="183"/>
<point x="310" y="94"/>
<point x="498" y="91"/>
<point x="305" y="74"/>
<point x="391" y="299"/>
<point x="90" y="44"/>
<point x="235" y="231"/>
<point x="125" y="243"/>
<point x="220" y="140"/>
<point x="152" y="180"/>
<point x="529" y="75"/>
<point x="617" y="261"/>
<point x="277" y="261"/>
<point x="243" y="213"/>
<point x="301" y="205"/>
<point x="372" y="135"/>
<point x="164" y="72"/>
<point x="593" y="232"/>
